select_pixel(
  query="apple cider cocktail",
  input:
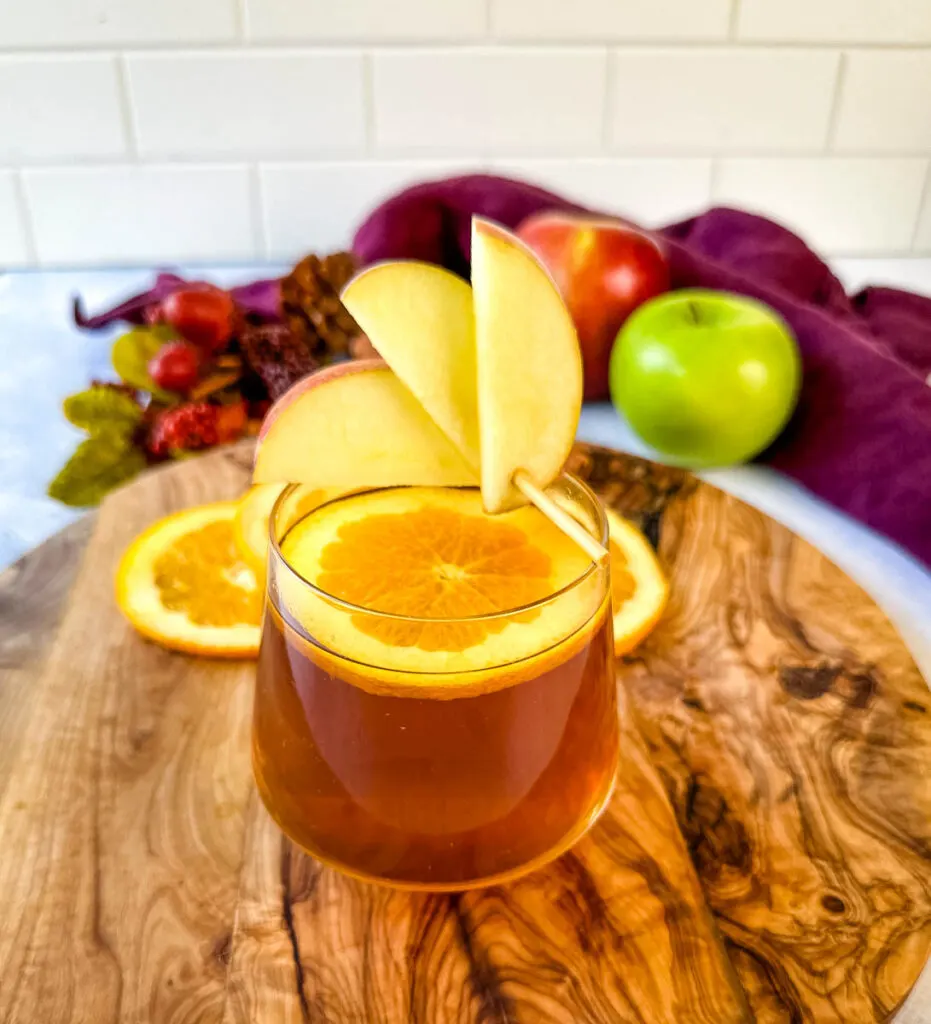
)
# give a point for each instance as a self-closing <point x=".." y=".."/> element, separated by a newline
<point x="435" y="705"/>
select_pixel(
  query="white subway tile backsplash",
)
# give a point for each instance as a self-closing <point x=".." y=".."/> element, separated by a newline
<point x="614" y="20"/>
<point x="844" y="206"/>
<point x="843" y="21"/>
<point x="317" y="207"/>
<point x="38" y="23"/>
<point x="141" y="215"/>
<point x="369" y="20"/>
<point x="226" y="129"/>
<point x="721" y="100"/>
<point x="650" y="192"/>
<point x="886" y="101"/>
<point x="264" y="104"/>
<point x="479" y="101"/>
<point x="14" y="250"/>
<point x="56" y="108"/>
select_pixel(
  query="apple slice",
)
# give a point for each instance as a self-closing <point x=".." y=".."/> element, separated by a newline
<point x="419" y="318"/>
<point x="355" y="425"/>
<point x="529" y="366"/>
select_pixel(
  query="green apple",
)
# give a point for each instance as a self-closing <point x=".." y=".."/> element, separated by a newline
<point x="707" y="378"/>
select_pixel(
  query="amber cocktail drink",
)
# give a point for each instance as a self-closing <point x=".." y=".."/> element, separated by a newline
<point x="435" y="705"/>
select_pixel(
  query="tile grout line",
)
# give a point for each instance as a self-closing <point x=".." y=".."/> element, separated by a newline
<point x="352" y="155"/>
<point x="734" y="20"/>
<point x="242" y="21"/>
<point x="527" y="42"/>
<point x="607" y="126"/>
<point x="257" y="213"/>
<point x="25" y="214"/>
<point x="714" y="177"/>
<point x="368" y="102"/>
<point x="840" y="79"/>
<point x="126" y="108"/>
<point x="924" y="201"/>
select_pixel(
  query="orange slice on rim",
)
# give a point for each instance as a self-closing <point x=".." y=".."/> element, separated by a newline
<point x="452" y="584"/>
<point x="184" y="584"/>
<point x="638" y="587"/>
<point x="250" y="524"/>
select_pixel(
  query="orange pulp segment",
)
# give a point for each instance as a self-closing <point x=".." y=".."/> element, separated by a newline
<point x="184" y="584"/>
<point x="451" y="581"/>
<point x="638" y="587"/>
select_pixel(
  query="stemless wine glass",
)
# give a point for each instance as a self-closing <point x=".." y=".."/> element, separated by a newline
<point x="444" y="778"/>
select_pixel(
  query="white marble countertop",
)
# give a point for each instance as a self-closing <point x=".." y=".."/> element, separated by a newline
<point x="45" y="358"/>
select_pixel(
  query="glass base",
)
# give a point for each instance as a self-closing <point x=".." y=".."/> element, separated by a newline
<point x="554" y="853"/>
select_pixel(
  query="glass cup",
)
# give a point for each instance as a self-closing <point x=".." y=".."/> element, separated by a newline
<point x="436" y="780"/>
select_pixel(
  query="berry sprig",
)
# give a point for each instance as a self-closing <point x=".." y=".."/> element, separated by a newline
<point x="199" y="367"/>
<point x="185" y="388"/>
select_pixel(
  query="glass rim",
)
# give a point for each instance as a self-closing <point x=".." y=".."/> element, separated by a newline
<point x="355" y="609"/>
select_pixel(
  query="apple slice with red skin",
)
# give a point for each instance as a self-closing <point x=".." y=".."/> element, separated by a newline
<point x="355" y="425"/>
<point x="529" y="366"/>
<point x="605" y="269"/>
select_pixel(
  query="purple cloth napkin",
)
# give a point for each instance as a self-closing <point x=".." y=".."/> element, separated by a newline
<point x="861" y="435"/>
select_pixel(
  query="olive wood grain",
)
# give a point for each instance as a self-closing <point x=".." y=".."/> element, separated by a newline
<point x="766" y="856"/>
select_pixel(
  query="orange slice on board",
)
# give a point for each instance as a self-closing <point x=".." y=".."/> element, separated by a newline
<point x="441" y="570"/>
<point x="184" y="584"/>
<point x="638" y="587"/>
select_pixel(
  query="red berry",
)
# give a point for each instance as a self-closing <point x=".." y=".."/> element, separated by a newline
<point x="200" y="313"/>
<point x="186" y="428"/>
<point x="175" y="366"/>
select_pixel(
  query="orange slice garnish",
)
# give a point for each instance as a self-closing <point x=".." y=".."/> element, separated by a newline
<point x="184" y="584"/>
<point x="454" y="584"/>
<point x="250" y="524"/>
<point x="638" y="587"/>
<point x="434" y="563"/>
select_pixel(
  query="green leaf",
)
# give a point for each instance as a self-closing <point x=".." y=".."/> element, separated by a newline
<point x="98" y="465"/>
<point x="101" y="410"/>
<point x="132" y="353"/>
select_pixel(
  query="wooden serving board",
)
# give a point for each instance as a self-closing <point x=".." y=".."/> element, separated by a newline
<point x="767" y="855"/>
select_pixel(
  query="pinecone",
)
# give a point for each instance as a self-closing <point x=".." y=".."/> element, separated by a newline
<point x="361" y="348"/>
<point x="310" y="299"/>
<point x="276" y="355"/>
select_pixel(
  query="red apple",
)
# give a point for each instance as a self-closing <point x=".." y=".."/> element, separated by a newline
<point x="605" y="269"/>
